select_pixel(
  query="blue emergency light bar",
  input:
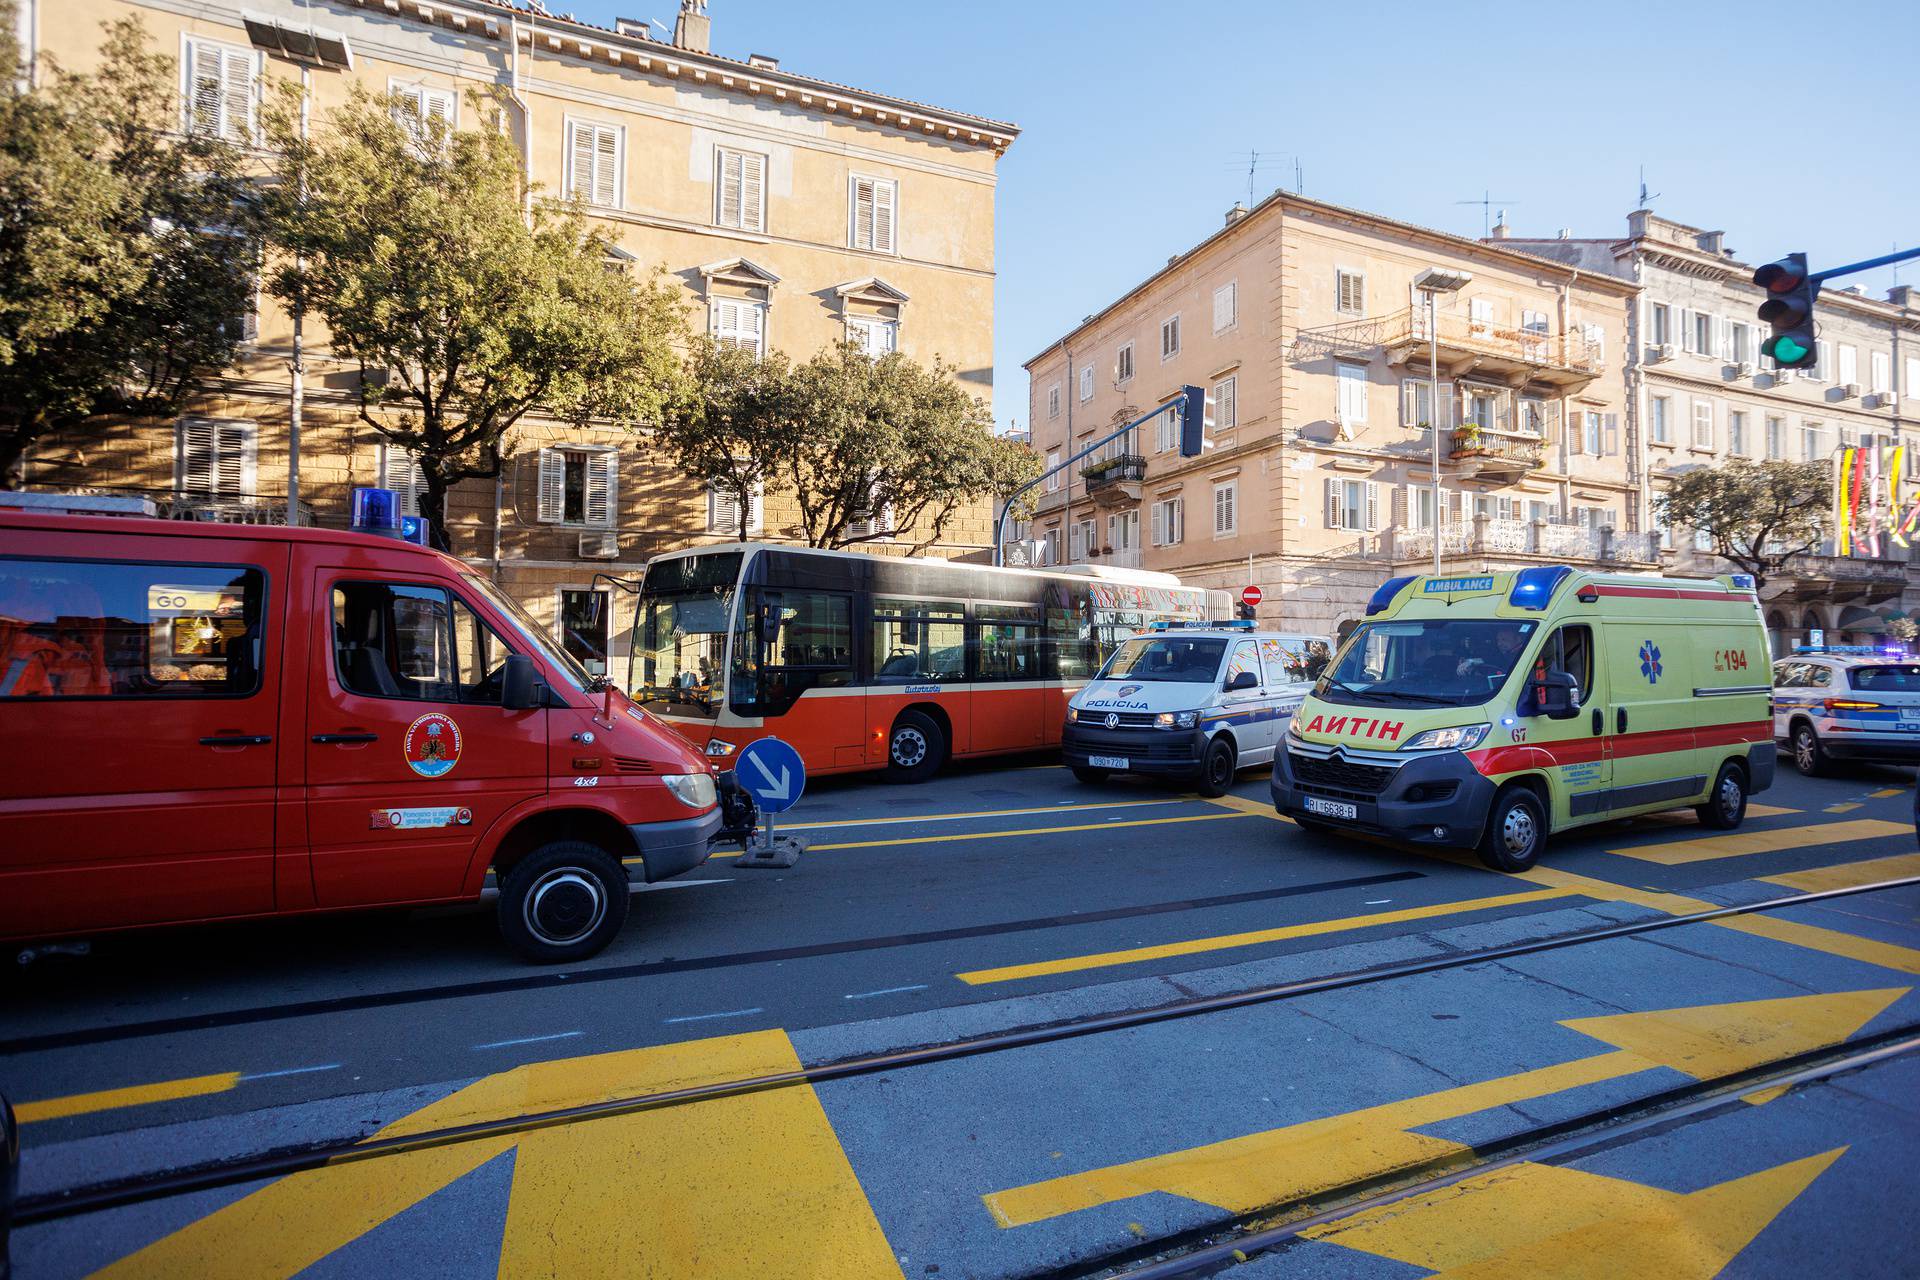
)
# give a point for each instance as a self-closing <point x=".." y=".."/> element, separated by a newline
<point x="1533" y="588"/>
<point x="417" y="530"/>
<point x="375" y="511"/>
<point x="1850" y="648"/>
<point x="1383" y="596"/>
<point x="1185" y="624"/>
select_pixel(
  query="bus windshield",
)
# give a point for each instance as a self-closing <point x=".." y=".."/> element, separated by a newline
<point x="1441" y="662"/>
<point x="686" y="606"/>
<point x="1167" y="659"/>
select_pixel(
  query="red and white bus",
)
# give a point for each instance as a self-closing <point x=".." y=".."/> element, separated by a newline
<point x="881" y="662"/>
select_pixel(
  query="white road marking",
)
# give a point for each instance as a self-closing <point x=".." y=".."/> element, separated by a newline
<point x="884" y="991"/>
<point x="558" y="1035"/>
<point x="1377" y="902"/>
<point x="290" y="1071"/>
<point x="731" y="1013"/>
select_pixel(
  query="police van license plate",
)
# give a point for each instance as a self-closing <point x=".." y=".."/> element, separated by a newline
<point x="1107" y="762"/>
<point x="1910" y="715"/>
<point x="1332" y="808"/>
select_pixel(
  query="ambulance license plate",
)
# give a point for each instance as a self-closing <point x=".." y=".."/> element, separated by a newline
<point x="1332" y="808"/>
<point x="1106" y="762"/>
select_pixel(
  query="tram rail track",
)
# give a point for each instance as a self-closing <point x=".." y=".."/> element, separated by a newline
<point x="280" y="1162"/>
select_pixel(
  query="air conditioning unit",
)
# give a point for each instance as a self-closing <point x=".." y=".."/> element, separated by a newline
<point x="1663" y="353"/>
<point x="1885" y="399"/>
<point x="603" y="545"/>
<point x="1744" y="369"/>
<point x="1781" y="377"/>
<point x="1850" y="391"/>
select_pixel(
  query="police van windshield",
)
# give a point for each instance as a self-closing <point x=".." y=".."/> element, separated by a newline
<point x="1441" y="662"/>
<point x="1167" y="659"/>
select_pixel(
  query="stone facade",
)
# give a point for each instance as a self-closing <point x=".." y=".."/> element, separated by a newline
<point x="787" y="207"/>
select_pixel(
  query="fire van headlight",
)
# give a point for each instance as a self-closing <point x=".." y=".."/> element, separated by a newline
<point x="1176" y="720"/>
<point x="695" y="790"/>
<point x="1463" y="737"/>
<point x="717" y="747"/>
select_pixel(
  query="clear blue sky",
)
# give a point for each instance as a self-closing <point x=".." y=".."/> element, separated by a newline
<point x="1401" y="108"/>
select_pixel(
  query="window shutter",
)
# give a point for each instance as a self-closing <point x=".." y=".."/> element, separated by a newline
<point x="194" y="453"/>
<point x="400" y="472"/>
<point x="203" y="107"/>
<point x="1409" y="403"/>
<point x="1225" y="305"/>
<point x="1226" y="413"/>
<point x="1177" y="513"/>
<point x="553" y="487"/>
<point x="237" y="92"/>
<point x="1611" y="430"/>
<point x="1076" y="543"/>
<point x="863" y="213"/>
<point x="753" y="185"/>
<point x="438" y="103"/>
<point x="603" y="477"/>
<point x="1159" y="531"/>
<point x="1333" y="503"/>
<point x="581" y="188"/>
<point x="1373" y="506"/>
<point x="606" y="171"/>
<point x="883" y="209"/>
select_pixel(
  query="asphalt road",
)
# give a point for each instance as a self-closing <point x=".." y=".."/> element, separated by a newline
<point x="997" y="897"/>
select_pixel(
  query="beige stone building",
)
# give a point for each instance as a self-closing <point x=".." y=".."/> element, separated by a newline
<point x="1700" y="392"/>
<point x="793" y="211"/>
<point x="1303" y="320"/>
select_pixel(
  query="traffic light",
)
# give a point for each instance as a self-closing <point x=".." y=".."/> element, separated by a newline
<point x="1244" y="611"/>
<point x="1196" y="419"/>
<point x="1789" y="309"/>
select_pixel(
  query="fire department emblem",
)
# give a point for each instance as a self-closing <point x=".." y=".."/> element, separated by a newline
<point x="432" y="745"/>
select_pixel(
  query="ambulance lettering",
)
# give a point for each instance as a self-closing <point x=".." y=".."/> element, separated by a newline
<point x="1389" y="729"/>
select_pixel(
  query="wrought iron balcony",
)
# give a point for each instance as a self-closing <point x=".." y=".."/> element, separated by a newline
<point x="1107" y="472"/>
<point x="170" y="504"/>
<point x="1484" y="451"/>
<point x="1464" y="344"/>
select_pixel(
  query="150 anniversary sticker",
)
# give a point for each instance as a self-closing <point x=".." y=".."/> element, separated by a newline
<point x="432" y="745"/>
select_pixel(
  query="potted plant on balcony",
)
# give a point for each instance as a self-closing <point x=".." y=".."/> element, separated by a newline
<point x="1466" y="440"/>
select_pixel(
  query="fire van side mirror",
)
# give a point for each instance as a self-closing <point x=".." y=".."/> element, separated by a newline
<point x="1557" y="694"/>
<point x="520" y="688"/>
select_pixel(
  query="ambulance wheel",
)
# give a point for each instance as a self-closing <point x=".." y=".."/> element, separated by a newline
<point x="915" y="749"/>
<point x="1516" y="829"/>
<point x="1809" y="757"/>
<point x="1218" y="765"/>
<point x="564" y="901"/>
<point x="1087" y="774"/>
<point x="1726" y="806"/>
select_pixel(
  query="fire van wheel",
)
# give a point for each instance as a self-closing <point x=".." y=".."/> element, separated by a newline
<point x="564" y="901"/>
<point x="1726" y="806"/>
<point x="1217" y="766"/>
<point x="915" y="749"/>
<point x="1516" y="829"/>
<point x="1088" y="774"/>
<point x="1809" y="757"/>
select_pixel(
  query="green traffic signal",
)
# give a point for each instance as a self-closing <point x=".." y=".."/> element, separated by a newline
<point x="1788" y="351"/>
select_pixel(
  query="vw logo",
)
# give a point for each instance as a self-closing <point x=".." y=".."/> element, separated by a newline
<point x="1113" y="720"/>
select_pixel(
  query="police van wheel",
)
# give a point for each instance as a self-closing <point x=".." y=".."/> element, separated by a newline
<point x="1516" y="830"/>
<point x="1087" y="774"/>
<point x="915" y="749"/>
<point x="564" y="901"/>
<point x="1726" y="806"/>
<point x="1218" y="766"/>
<point x="1809" y="757"/>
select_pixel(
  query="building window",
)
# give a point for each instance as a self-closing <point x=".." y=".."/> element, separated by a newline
<point x="1776" y="430"/>
<point x="1822" y="368"/>
<point x="1349" y="292"/>
<point x="740" y="190"/>
<point x="219" y="90"/>
<point x="1226" y="508"/>
<point x="1736" y="433"/>
<point x="1169" y="521"/>
<point x="1086" y="384"/>
<point x="873" y="204"/>
<point x="218" y="457"/>
<point x="1703" y="540"/>
<point x="1848" y="369"/>
<point x="1910" y="388"/>
<point x="1881" y="379"/>
<point x="1053" y="401"/>
<point x="1703" y="424"/>
<point x="1226" y="403"/>
<point x="1166" y="433"/>
<point x="400" y="472"/>
<point x="1080" y="541"/>
<point x="1416" y="403"/>
<point x="1123" y="363"/>
<point x="723" y="510"/>
<point x="1659" y="324"/>
<point x="1533" y="418"/>
<point x="1741" y="349"/>
<point x="1702" y="333"/>
<point x="1226" y="306"/>
<point x="1813" y="441"/>
<point x="1169" y="337"/>
<point x="593" y="163"/>
<point x="1593" y="423"/>
<point x="1050" y="550"/>
<point x="1660" y="420"/>
<point x="577" y="487"/>
<point x="584" y="624"/>
<point x="874" y="337"/>
<point x="417" y="106"/>
<point x="1123" y="532"/>
<point x="1479" y="316"/>
<point x="739" y="322"/>
<point x="1053" y="477"/>
<point x="1353" y="505"/>
<point x="1352" y="387"/>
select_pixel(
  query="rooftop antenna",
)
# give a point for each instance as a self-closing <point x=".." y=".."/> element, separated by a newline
<point x="1645" y="199"/>
<point x="1299" y="179"/>
<point x="1486" y="203"/>
<point x="1256" y="161"/>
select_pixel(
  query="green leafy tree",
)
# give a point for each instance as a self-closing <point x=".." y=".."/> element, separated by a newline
<point x="127" y="252"/>
<point x="466" y="303"/>
<point x="734" y="428"/>
<point x="1758" y="515"/>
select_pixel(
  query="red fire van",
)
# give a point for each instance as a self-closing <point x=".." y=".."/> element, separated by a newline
<point x="203" y="722"/>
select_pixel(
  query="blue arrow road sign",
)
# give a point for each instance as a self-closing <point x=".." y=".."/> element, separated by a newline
<point x="771" y="772"/>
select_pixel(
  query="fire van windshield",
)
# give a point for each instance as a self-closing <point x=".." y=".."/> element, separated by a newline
<point x="1432" y="663"/>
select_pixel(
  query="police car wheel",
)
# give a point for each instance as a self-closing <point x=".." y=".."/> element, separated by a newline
<point x="1516" y="829"/>
<point x="915" y="749"/>
<point x="1087" y="774"/>
<point x="1809" y="757"/>
<point x="1726" y="806"/>
<point x="1217" y="767"/>
<point x="564" y="901"/>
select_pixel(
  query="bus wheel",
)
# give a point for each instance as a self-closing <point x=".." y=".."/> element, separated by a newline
<point x="1516" y="829"/>
<point x="564" y="901"/>
<point x="915" y="749"/>
<point x="1726" y="806"/>
<point x="1218" y="766"/>
<point x="1086" y="774"/>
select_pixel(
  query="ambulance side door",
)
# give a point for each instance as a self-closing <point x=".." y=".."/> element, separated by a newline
<point x="1579" y="746"/>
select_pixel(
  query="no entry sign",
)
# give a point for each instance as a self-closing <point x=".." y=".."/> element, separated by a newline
<point x="1250" y="597"/>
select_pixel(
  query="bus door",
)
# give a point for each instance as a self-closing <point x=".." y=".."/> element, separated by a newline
<point x="919" y="656"/>
<point x="802" y="674"/>
<point x="1012" y="702"/>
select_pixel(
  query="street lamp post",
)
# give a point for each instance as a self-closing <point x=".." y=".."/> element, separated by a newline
<point x="1432" y="282"/>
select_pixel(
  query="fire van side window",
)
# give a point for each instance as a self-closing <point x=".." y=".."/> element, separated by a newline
<point x="398" y="640"/>
<point x="103" y="629"/>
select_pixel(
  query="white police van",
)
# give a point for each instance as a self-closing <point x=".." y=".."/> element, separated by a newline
<point x="1847" y="702"/>
<point x="1197" y="701"/>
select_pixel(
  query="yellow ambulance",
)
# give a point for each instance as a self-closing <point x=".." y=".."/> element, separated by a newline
<point x="1486" y="710"/>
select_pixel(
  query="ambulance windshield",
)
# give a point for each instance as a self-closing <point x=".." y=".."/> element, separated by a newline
<point x="1441" y="662"/>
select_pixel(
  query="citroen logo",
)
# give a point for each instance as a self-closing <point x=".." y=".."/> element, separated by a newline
<point x="1113" y="720"/>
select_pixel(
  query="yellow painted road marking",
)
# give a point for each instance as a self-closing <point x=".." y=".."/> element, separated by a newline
<point x="1258" y="808"/>
<point x="1848" y="874"/>
<point x="80" y="1104"/>
<point x="1029" y="831"/>
<point x="987" y="813"/>
<point x="1247" y="1173"/>
<point x="1768" y="810"/>
<point x="1888" y="793"/>
<point x="1845" y="807"/>
<point x="1224" y="942"/>
<point x="1741" y="844"/>
<point x="657" y="1194"/>
<point x="1550" y="1220"/>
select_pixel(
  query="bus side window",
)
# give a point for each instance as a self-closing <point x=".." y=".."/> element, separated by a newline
<point x="1006" y="642"/>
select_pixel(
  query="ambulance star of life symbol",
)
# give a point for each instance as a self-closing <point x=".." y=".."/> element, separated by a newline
<point x="1113" y="720"/>
<point x="1650" y="661"/>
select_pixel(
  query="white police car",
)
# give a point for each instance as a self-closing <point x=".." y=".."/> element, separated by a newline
<point x="1191" y="701"/>
<point x="1847" y="702"/>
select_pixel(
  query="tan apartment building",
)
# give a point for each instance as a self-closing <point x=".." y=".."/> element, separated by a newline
<point x="1303" y="320"/>
<point x="794" y="213"/>
<point x="1701" y="393"/>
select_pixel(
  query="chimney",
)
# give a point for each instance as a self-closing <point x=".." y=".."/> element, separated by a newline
<point x="1566" y="233"/>
<point x="693" y="29"/>
<point x="1500" y="231"/>
<point x="1236" y="213"/>
<point x="639" y="28"/>
<point x="1637" y="224"/>
<point x="1709" y="242"/>
<point x="1901" y="295"/>
<point x="766" y="60"/>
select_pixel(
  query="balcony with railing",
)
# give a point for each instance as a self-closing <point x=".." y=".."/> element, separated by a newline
<point x="1116" y="478"/>
<point x="1490" y="452"/>
<point x="1843" y="579"/>
<point x="1564" y="360"/>
<point x="170" y="504"/>
<point x="1550" y="540"/>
